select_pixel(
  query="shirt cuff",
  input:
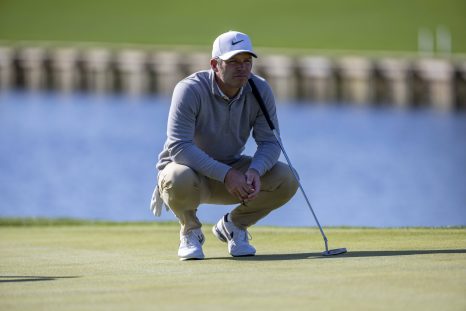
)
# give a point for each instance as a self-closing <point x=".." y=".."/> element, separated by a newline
<point x="259" y="168"/>
<point x="220" y="172"/>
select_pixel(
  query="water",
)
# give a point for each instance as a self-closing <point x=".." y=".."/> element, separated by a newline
<point x="93" y="157"/>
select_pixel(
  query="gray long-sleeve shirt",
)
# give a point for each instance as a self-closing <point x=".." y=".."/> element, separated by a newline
<point x="207" y="131"/>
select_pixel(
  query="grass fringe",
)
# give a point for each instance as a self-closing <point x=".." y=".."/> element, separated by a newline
<point x="50" y="222"/>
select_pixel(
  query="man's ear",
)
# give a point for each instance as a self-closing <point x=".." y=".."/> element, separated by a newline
<point x="214" y="64"/>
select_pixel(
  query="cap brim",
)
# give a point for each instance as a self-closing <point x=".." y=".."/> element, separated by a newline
<point x="230" y="54"/>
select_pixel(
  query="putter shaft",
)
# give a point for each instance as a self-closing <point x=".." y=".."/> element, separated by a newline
<point x="301" y="188"/>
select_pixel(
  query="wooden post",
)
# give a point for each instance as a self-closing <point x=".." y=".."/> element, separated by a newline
<point x="97" y="64"/>
<point x="438" y="76"/>
<point x="316" y="79"/>
<point x="6" y="68"/>
<point x="393" y="88"/>
<point x="167" y="71"/>
<point x="31" y="61"/>
<point x="63" y="65"/>
<point x="356" y="79"/>
<point x="131" y="68"/>
<point x="279" y="70"/>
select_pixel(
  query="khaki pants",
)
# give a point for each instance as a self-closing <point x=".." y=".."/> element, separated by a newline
<point x="183" y="189"/>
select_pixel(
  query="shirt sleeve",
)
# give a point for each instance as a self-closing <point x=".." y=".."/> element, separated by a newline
<point x="180" y="135"/>
<point x="268" y="150"/>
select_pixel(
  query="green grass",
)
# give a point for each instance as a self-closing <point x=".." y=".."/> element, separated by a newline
<point x="297" y="24"/>
<point x="101" y="266"/>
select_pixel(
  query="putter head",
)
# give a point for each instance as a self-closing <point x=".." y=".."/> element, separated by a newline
<point x="333" y="252"/>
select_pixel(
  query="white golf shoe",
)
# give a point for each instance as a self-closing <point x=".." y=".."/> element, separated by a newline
<point x="237" y="239"/>
<point x="191" y="245"/>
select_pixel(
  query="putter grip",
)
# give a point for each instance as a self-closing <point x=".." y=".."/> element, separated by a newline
<point x="259" y="99"/>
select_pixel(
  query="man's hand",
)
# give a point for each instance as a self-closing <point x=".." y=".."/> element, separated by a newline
<point x="243" y="186"/>
<point x="254" y="181"/>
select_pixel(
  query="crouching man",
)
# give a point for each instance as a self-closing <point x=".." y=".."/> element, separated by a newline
<point x="212" y="115"/>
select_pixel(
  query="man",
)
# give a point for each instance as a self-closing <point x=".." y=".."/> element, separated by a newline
<point x="211" y="117"/>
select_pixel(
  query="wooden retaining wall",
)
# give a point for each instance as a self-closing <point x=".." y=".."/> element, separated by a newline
<point x="421" y="81"/>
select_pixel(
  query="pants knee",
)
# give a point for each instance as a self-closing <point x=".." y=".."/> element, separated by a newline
<point x="181" y="184"/>
<point x="290" y="184"/>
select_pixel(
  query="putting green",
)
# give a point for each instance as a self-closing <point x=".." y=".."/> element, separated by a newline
<point x="88" y="266"/>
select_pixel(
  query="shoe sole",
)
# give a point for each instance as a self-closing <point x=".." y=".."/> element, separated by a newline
<point x="198" y="256"/>
<point x="219" y="234"/>
<point x="192" y="258"/>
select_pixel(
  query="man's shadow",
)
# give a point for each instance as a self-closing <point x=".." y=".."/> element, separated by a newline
<point x="24" y="278"/>
<point x="349" y="254"/>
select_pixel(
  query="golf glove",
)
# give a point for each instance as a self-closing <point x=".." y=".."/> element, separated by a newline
<point x="156" y="203"/>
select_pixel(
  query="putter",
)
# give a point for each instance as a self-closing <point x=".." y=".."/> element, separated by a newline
<point x="256" y="93"/>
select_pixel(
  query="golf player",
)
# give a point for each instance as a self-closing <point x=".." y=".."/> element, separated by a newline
<point x="212" y="114"/>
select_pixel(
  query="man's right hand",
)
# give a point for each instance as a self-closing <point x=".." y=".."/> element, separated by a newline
<point x="237" y="185"/>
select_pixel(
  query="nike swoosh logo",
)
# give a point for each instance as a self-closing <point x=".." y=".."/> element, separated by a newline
<point x="235" y="43"/>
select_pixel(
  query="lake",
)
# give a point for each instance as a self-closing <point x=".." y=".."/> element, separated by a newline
<point x="93" y="157"/>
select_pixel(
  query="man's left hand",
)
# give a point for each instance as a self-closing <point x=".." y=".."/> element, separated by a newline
<point x="254" y="181"/>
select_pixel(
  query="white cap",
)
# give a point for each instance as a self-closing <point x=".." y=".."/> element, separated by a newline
<point x="230" y="43"/>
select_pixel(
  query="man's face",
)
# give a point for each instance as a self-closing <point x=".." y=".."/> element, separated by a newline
<point x="234" y="72"/>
